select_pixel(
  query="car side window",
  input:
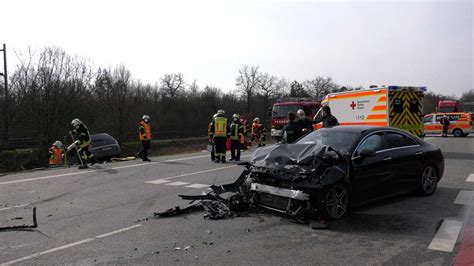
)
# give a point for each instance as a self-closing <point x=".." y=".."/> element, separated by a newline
<point x="397" y="140"/>
<point x="428" y="119"/>
<point x="373" y="142"/>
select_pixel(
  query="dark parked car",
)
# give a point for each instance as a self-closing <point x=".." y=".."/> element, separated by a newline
<point x="331" y="169"/>
<point x="104" y="146"/>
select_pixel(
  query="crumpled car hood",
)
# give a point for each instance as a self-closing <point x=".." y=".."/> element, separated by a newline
<point x="296" y="158"/>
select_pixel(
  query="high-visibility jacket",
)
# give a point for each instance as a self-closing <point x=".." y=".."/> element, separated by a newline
<point x="144" y="130"/>
<point x="256" y="129"/>
<point x="236" y="130"/>
<point x="82" y="136"/>
<point x="219" y="127"/>
<point x="55" y="155"/>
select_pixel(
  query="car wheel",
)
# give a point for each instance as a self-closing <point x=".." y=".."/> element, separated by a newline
<point x="428" y="181"/>
<point x="334" y="202"/>
<point x="458" y="132"/>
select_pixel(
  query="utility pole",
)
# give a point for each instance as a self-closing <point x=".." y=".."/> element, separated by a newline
<point x="6" y="96"/>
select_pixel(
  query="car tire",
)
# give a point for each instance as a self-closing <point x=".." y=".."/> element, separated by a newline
<point x="458" y="132"/>
<point x="334" y="202"/>
<point x="428" y="181"/>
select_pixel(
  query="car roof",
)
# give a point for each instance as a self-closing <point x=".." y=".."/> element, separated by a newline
<point x="360" y="129"/>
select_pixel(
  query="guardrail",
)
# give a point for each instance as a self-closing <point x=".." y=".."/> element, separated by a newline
<point x="25" y="143"/>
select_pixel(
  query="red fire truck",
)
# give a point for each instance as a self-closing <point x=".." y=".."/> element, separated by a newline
<point x="280" y="111"/>
<point x="449" y="106"/>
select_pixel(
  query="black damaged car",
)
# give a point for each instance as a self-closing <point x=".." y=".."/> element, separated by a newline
<point x="332" y="169"/>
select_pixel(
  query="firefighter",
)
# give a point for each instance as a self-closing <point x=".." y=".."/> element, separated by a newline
<point x="445" y="123"/>
<point x="82" y="140"/>
<point x="305" y="124"/>
<point x="328" y="119"/>
<point x="245" y="137"/>
<point x="144" y="133"/>
<point x="56" y="153"/>
<point x="258" y="132"/>
<point x="220" y="131"/>
<point x="292" y="131"/>
<point x="211" y="140"/>
<point x="236" y="134"/>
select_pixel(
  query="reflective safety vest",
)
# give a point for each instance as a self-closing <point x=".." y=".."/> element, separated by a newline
<point x="220" y="127"/>
<point x="235" y="131"/>
<point x="144" y="131"/>
<point x="55" y="156"/>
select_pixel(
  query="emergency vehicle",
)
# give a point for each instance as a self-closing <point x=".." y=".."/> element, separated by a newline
<point x="449" y="106"/>
<point x="394" y="106"/>
<point x="460" y="123"/>
<point x="280" y="111"/>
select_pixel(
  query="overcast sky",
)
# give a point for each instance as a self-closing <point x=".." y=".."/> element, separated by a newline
<point x="417" y="43"/>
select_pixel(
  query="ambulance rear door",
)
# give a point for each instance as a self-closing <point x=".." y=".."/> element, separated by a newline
<point x="406" y="108"/>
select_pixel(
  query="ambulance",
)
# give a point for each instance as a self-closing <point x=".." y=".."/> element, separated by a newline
<point x="393" y="106"/>
<point x="460" y="124"/>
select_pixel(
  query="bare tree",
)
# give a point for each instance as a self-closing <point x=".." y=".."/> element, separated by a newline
<point x="246" y="83"/>
<point x="268" y="87"/>
<point x="319" y="86"/>
<point x="172" y="84"/>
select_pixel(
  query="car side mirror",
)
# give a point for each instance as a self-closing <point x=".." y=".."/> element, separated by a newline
<point x="367" y="153"/>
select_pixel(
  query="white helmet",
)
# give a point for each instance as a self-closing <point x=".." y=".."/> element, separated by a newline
<point x="58" y="144"/>
<point x="256" y="119"/>
<point x="76" y="122"/>
<point x="146" y="117"/>
<point x="300" y="112"/>
<point x="235" y="116"/>
<point x="220" y="112"/>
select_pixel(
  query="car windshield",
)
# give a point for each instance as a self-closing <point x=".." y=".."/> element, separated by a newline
<point x="340" y="141"/>
<point x="282" y="110"/>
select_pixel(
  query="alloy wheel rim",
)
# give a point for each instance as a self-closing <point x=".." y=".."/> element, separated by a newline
<point x="337" y="201"/>
<point x="429" y="179"/>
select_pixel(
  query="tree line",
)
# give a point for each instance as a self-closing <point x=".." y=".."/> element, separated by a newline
<point x="47" y="90"/>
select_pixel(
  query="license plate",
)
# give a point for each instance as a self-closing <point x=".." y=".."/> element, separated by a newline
<point x="107" y="149"/>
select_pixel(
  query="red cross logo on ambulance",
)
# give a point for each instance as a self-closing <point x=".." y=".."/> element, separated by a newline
<point x="353" y="105"/>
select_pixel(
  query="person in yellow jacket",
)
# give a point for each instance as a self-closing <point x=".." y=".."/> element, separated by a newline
<point x="56" y="153"/>
<point x="144" y="133"/>
<point x="220" y="132"/>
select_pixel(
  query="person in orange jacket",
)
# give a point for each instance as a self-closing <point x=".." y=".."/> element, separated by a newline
<point x="258" y="132"/>
<point x="56" y="153"/>
<point x="144" y="133"/>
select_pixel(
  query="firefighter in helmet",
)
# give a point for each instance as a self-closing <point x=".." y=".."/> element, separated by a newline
<point x="219" y="132"/>
<point x="211" y="145"/>
<point x="144" y="133"/>
<point x="82" y="140"/>
<point x="236" y="140"/>
<point x="258" y="132"/>
<point x="56" y="153"/>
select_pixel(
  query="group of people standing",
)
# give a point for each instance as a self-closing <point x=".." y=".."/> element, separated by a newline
<point x="220" y="129"/>
<point x="299" y="125"/>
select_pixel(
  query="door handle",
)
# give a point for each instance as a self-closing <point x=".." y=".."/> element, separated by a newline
<point x="418" y="153"/>
<point x="387" y="158"/>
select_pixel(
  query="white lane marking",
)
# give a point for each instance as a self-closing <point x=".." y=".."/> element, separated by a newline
<point x="446" y="237"/>
<point x="158" y="181"/>
<point x="470" y="178"/>
<point x="200" y="172"/>
<point x="464" y="197"/>
<point x="46" y="252"/>
<point x="429" y="138"/>
<point x="68" y="245"/>
<point x="13" y="207"/>
<point x="177" y="183"/>
<point x="100" y="170"/>
<point x="198" y="186"/>
<point x="118" y="231"/>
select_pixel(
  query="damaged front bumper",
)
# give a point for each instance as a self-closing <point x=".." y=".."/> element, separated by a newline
<point x="281" y="192"/>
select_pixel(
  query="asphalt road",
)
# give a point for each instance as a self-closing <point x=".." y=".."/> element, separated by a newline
<point x="97" y="216"/>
